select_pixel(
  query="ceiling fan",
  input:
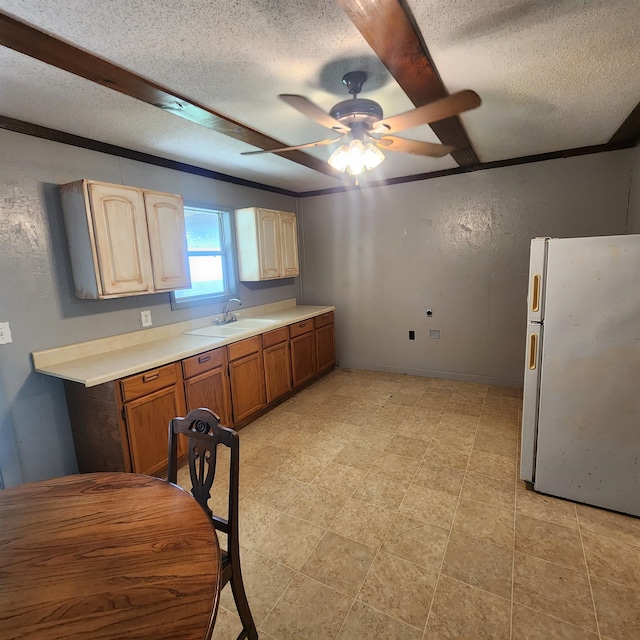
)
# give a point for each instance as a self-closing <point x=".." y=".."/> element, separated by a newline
<point x="364" y="131"/>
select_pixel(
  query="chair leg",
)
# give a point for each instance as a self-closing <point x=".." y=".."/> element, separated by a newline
<point x="239" y="595"/>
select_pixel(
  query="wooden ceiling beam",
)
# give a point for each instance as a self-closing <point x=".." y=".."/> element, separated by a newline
<point x="389" y="28"/>
<point x="629" y="130"/>
<point x="34" y="43"/>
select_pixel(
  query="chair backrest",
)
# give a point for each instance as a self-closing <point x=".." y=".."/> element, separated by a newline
<point x="204" y="433"/>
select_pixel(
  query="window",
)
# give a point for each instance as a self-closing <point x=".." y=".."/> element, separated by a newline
<point x="210" y="249"/>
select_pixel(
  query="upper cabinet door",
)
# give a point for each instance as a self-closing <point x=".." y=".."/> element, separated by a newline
<point x="289" y="237"/>
<point x="167" y="240"/>
<point x="122" y="245"/>
<point x="269" y="245"/>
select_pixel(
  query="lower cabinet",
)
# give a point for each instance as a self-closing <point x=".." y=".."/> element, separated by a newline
<point x="277" y="363"/>
<point x="206" y="383"/>
<point x="325" y="342"/>
<point x="123" y="425"/>
<point x="303" y="352"/>
<point x="246" y="374"/>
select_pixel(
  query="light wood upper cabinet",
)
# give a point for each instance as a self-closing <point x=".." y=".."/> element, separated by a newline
<point x="267" y="242"/>
<point x="124" y="241"/>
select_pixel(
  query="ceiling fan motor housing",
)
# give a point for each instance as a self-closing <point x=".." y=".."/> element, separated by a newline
<point x="358" y="110"/>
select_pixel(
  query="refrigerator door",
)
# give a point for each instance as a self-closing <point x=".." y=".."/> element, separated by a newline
<point x="535" y="295"/>
<point x="530" y="401"/>
<point x="588" y="446"/>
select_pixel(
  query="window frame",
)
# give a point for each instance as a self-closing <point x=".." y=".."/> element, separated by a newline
<point x="228" y="254"/>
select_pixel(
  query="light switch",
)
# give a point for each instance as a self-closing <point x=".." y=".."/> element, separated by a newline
<point x="5" y="333"/>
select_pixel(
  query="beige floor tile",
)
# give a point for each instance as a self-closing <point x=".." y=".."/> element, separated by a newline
<point x="405" y="399"/>
<point x="327" y="411"/>
<point x="612" y="560"/>
<point x="374" y="439"/>
<point x="394" y="412"/>
<point x="497" y="443"/>
<point x="365" y="623"/>
<point x="429" y="505"/>
<point x="446" y="455"/>
<point x="396" y="467"/>
<point x="365" y="405"/>
<point x="301" y="467"/>
<point x="250" y="478"/>
<point x="269" y="458"/>
<point x="479" y="563"/>
<point x="312" y="424"/>
<point x="339" y="479"/>
<point x="339" y="562"/>
<point x="399" y="589"/>
<point x="551" y="542"/>
<point x="278" y="491"/>
<point x="354" y="417"/>
<point x="485" y="522"/>
<point x="264" y="583"/>
<point x="461" y="611"/>
<point x="323" y="448"/>
<point x="490" y="464"/>
<point x="227" y="625"/>
<point x="453" y="437"/>
<point x="424" y="416"/>
<point x="435" y="476"/>
<point x="357" y="455"/>
<point x="381" y="491"/>
<point x="289" y="541"/>
<point x="317" y="506"/>
<point x="466" y="405"/>
<point x="528" y="624"/>
<point x="541" y="507"/>
<point x="308" y="610"/>
<point x="362" y="522"/>
<point x="553" y="590"/>
<point x="410" y="448"/>
<point x="339" y="431"/>
<point x="618" y="610"/>
<point x="417" y="430"/>
<point x="492" y="491"/>
<point x="291" y="439"/>
<point x="420" y="543"/>
<point x="254" y="520"/>
<point x="610" y="524"/>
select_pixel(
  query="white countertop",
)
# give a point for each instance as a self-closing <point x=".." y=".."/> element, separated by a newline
<point x="98" y="361"/>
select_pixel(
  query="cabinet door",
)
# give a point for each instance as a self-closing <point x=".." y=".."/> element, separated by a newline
<point x="167" y="240"/>
<point x="147" y="420"/>
<point x="269" y="246"/>
<point x="122" y="243"/>
<point x="289" y="241"/>
<point x="210" y="390"/>
<point x="325" y="348"/>
<point x="303" y="358"/>
<point x="277" y="370"/>
<point x="247" y="385"/>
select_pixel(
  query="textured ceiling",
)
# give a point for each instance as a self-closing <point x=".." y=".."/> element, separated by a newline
<point x="552" y="75"/>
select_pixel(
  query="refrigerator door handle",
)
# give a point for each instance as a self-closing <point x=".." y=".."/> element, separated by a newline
<point x="533" y="351"/>
<point x="535" y="293"/>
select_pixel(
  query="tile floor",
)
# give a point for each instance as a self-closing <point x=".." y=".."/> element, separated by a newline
<point x="388" y="506"/>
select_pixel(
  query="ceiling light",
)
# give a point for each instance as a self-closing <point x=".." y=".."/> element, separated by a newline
<point x="355" y="157"/>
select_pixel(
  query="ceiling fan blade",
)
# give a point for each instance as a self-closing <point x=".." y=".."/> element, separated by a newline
<point x="320" y="143"/>
<point x="417" y="147"/>
<point x="432" y="112"/>
<point x="307" y="108"/>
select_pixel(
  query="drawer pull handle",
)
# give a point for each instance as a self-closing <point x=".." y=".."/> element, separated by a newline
<point x="150" y="377"/>
<point x="302" y="325"/>
<point x="202" y="359"/>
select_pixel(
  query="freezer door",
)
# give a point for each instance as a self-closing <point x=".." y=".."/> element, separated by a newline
<point x="588" y="446"/>
<point x="530" y="402"/>
<point x="537" y="265"/>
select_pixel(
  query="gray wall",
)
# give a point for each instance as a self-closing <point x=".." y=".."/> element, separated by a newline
<point x="458" y="245"/>
<point x="633" y="224"/>
<point x="36" y="288"/>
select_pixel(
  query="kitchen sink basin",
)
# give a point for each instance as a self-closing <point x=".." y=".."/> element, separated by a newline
<point x="233" y="329"/>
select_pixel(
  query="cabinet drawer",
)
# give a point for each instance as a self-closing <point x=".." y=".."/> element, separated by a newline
<point x="203" y="362"/>
<point x="299" y="328"/>
<point x="323" y="320"/>
<point x="274" y="337"/>
<point x="148" y="382"/>
<point x="243" y="348"/>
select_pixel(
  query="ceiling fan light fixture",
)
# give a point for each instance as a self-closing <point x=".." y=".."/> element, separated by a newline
<point x="355" y="157"/>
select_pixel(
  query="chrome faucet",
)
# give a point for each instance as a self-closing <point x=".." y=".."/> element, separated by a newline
<point x="228" y="317"/>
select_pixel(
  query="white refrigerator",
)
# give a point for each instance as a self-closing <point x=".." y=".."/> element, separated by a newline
<point x="581" y="412"/>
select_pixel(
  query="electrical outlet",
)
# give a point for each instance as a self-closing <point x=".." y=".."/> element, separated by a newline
<point x="5" y="333"/>
<point x="145" y="318"/>
<point x="434" y="334"/>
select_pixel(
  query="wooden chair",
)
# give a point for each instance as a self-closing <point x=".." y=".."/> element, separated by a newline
<point x="204" y="432"/>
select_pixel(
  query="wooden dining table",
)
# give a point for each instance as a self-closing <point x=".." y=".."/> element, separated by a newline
<point x="106" y="556"/>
